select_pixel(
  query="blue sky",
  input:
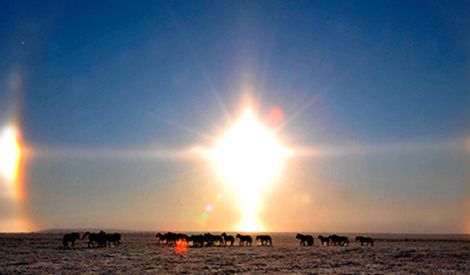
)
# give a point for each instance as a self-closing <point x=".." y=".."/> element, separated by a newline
<point x="122" y="75"/>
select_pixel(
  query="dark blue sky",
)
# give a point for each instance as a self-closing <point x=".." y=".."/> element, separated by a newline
<point x="105" y="73"/>
<point x="112" y="74"/>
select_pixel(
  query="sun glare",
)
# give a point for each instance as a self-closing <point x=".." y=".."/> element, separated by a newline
<point x="248" y="157"/>
<point x="10" y="153"/>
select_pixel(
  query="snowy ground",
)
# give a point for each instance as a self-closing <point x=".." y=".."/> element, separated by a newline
<point x="42" y="253"/>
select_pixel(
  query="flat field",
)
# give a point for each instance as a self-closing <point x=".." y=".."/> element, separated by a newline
<point x="43" y="253"/>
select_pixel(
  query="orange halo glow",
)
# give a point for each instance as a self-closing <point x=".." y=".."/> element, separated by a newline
<point x="10" y="158"/>
<point x="248" y="158"/>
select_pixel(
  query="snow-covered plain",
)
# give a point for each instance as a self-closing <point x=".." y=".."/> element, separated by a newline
<point x="139" y="253"/>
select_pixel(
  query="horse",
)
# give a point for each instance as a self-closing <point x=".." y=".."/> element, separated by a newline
<point x="70" y="238"/>
<point x="160" y="238"/>
<point x="212" y="239"/>
<point x="228" y="239"/>
<point x="324" y="240"/>
<point x="265" y="240"/>
<point x="365" y="240"/>
<point x="339" y="240"/>
<point x="197" y="240"/>
<point x="305" y="239"/>
<point x="114" y="238"/>
<point x="96" y="239"/>
<point x="244" y="240"/>
<point x="171" y="238"/>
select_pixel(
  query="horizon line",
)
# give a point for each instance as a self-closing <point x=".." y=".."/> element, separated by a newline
<point x="60" y="230"/>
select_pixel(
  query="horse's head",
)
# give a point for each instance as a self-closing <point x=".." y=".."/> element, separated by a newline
<point x="298" y="236"/>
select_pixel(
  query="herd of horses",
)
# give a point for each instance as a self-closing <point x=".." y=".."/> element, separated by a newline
<point x="208" y="239"/>
<point x="335" y="240"/>
<point x="100" y="239"/>
<point x="103" y="239"/>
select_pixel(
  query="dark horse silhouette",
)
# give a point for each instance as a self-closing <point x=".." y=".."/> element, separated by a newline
<point x="324" y="240"/>
<point x="96" y="239"/>
<point x="114" y="238"/>
<point x="171" y="238"/>
<point x="213" y="239"/>
<point x="339" y="240"/>
<point x="70" y="238"/>
<point x="160" y="238"/>
<point x="244" y="240"/>
<point x="305" y="239"/>
<point x="265" y="240"/>
<point x="197" y="240"/>
<point x="228" y="239"/>
<point x="365" y="240"/>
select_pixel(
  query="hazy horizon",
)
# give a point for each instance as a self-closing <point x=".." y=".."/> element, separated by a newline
<point x="315" y="233"/>
<point x="316" y="116"/>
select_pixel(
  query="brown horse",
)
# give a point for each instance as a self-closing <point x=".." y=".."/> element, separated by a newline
<point x="96" y="239"/>
<point x="365" y="240"/>
<point x="228" y="239"/>
<point x="213" y="239"/>
<point x="244" y="240"/>
<point x="339" y="240"/>
<point x="305" y="239"/>
<point x="114" y="238"/>
<point x="197" y="240"/>
<point x="160" y="238"/>
<point x="324" y="240"/>
<point x="265" y="240"/>
<point x="70" y="238"/>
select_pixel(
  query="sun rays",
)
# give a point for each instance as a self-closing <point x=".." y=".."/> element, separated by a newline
<point x="241" y="163"/>
<point x="248" y="157"/>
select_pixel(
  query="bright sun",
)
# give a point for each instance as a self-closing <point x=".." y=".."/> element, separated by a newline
<point x="10" y="153"/>
<point x="248" y="157"/>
